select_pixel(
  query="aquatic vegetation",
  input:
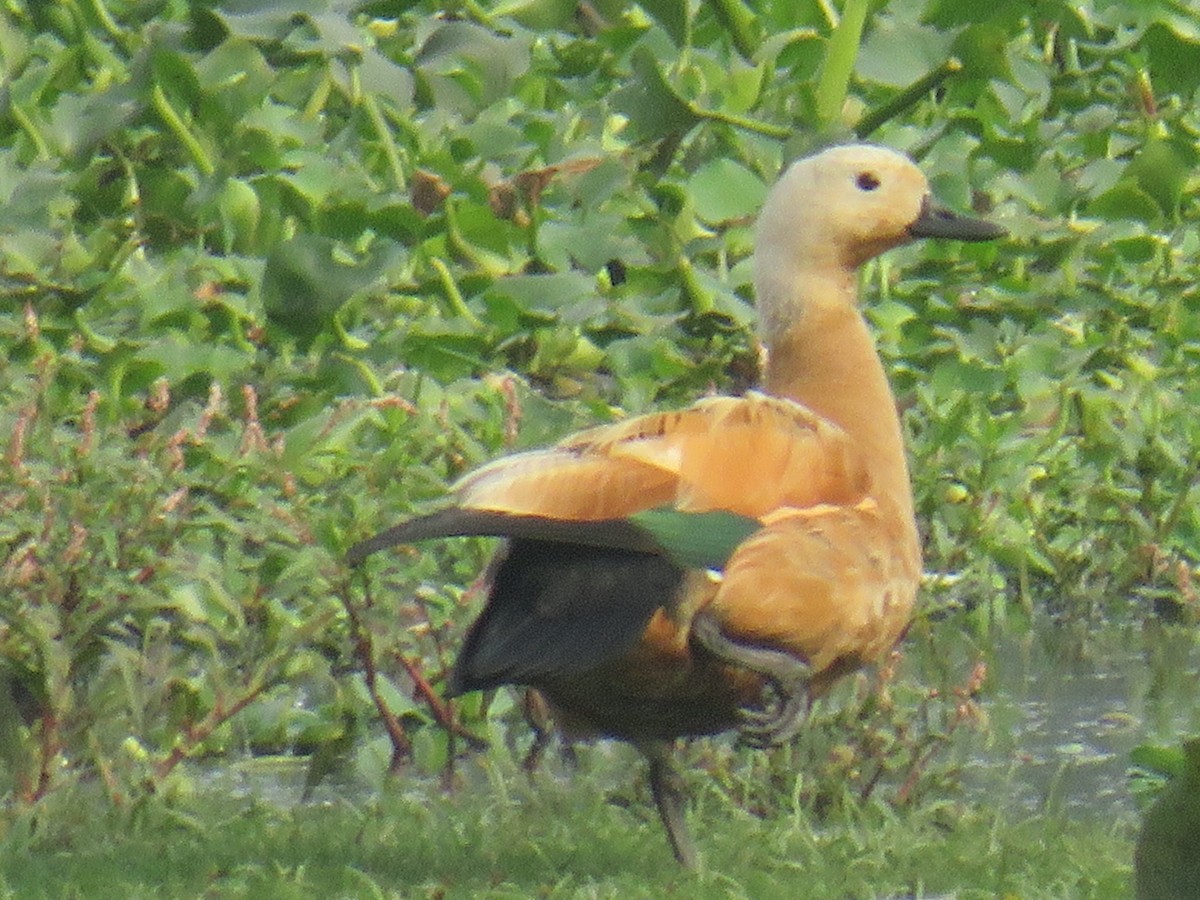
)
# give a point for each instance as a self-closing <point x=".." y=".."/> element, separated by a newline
<point x="257" y="259"/>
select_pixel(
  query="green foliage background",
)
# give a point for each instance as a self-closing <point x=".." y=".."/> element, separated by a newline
<point x="272" y="274"/>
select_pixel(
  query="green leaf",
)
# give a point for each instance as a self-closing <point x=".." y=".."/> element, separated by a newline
<point x="898" y="52"/>
<point x="566" y="294"/>
<point x="467" y="67"/>
<point x="1168" y="761"/>
<point x="653" y="107"/>
<point x="308" y="278"/>
<point x="1126" y="201"/>
<point x="724" y="190"/>
<point x="672" y="15"/>
<point x="1161" y="169"/>
<point x="262" y="19"/>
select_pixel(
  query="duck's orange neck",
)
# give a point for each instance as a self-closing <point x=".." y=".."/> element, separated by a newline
<point x="825" y="358"/>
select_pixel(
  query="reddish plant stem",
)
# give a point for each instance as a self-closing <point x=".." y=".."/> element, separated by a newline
<point x="364" y="649"/>
<point x="194" y="734"/>
<point x="50" y="746"/>
<point x="442" y="711"/>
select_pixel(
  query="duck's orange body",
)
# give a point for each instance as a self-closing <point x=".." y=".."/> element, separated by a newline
<point x="829" y="579"/>
<point x="632" y="639"/>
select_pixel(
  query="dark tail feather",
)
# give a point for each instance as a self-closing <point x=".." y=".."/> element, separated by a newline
<point x="618" y="534"/>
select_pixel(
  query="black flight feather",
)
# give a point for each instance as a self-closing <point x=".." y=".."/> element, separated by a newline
<point x="556" y="610"/>
<point x="456" y="522"/>
<point x="568" y="596"/>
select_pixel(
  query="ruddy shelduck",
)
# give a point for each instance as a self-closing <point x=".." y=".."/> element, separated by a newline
<point x="688" y="572"/>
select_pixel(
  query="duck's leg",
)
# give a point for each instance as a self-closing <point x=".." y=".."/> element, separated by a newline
<point x="670" y="797"/>
<point x="540" y="717"/>
<point x="787" y="676"/>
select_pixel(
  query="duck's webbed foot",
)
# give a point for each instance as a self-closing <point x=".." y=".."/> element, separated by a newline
<point x="784" y="714"/>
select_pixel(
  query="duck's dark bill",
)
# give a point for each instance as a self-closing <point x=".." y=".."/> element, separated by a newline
<point x="936" y="221"/>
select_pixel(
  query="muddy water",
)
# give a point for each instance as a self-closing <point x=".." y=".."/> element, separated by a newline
<point x="1066" y="710"/>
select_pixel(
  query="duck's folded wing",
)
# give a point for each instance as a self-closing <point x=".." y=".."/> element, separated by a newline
<point x="717" y="464"/>
<point x="746" y="455"/>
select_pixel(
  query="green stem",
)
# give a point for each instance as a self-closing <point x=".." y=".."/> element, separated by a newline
<point x="764" y="128"/>
<point x="839" y="61"/>
<point x="478" y="13"/>
<point x="700" y="300"/>
<point x="741" y="23"/>
<point x="26" y="123"/>
<point x="107" y="22"/>
<point x="830" y="14"/>
<point x="346" y="338"/>
<point x="455" y="298"/>
<point x="385" y="137"/>
<point x="458" y="245"/>
<point x="316" y="103"/>
<point x="374" y="385"/>
<point x="907" y="97"/>
<point x="180" y="130"/>
<point x="1167" y="524"/>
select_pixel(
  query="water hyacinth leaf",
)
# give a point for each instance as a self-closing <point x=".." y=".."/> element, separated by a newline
<point x="240" y="211"/>
<point x="1126" y="201"/>
<point x="725" y="191"/>
<point x="949" y="13"/>
<point x="589" y="243"/>
<point x="266" y="20"/>
<point x="653" y="107"/>
<point x="1161" y="169"/>
<point x="1173" y="50"/>
<point x="235" y="75"/>
<point x="307" y="279"/>
<point x="564" y="294"/>
<point x="338" y="35"/>
<point x="898" y="52"/>
<point x="465" y="67"/>
<point x="446" y="350"/>
<point x="890" y="317"/>
<point x="79" y="124"/>
<point x="180" y="360"/>
<point x="672" y="15"/>
<point x="981" y="50"/>
<point x="1165" y="761"/>
<point x="378" y="75"/>
<point x="644" y="363"/>
<point x="538" y="15"/>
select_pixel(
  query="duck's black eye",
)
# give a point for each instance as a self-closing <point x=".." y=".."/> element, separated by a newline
<point x="867" y="181"/>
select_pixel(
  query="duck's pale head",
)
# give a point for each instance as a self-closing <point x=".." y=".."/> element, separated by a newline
<point x="831" y="212"/>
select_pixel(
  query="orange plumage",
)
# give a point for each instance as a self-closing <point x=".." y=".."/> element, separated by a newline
<point x="598" y="606"/>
